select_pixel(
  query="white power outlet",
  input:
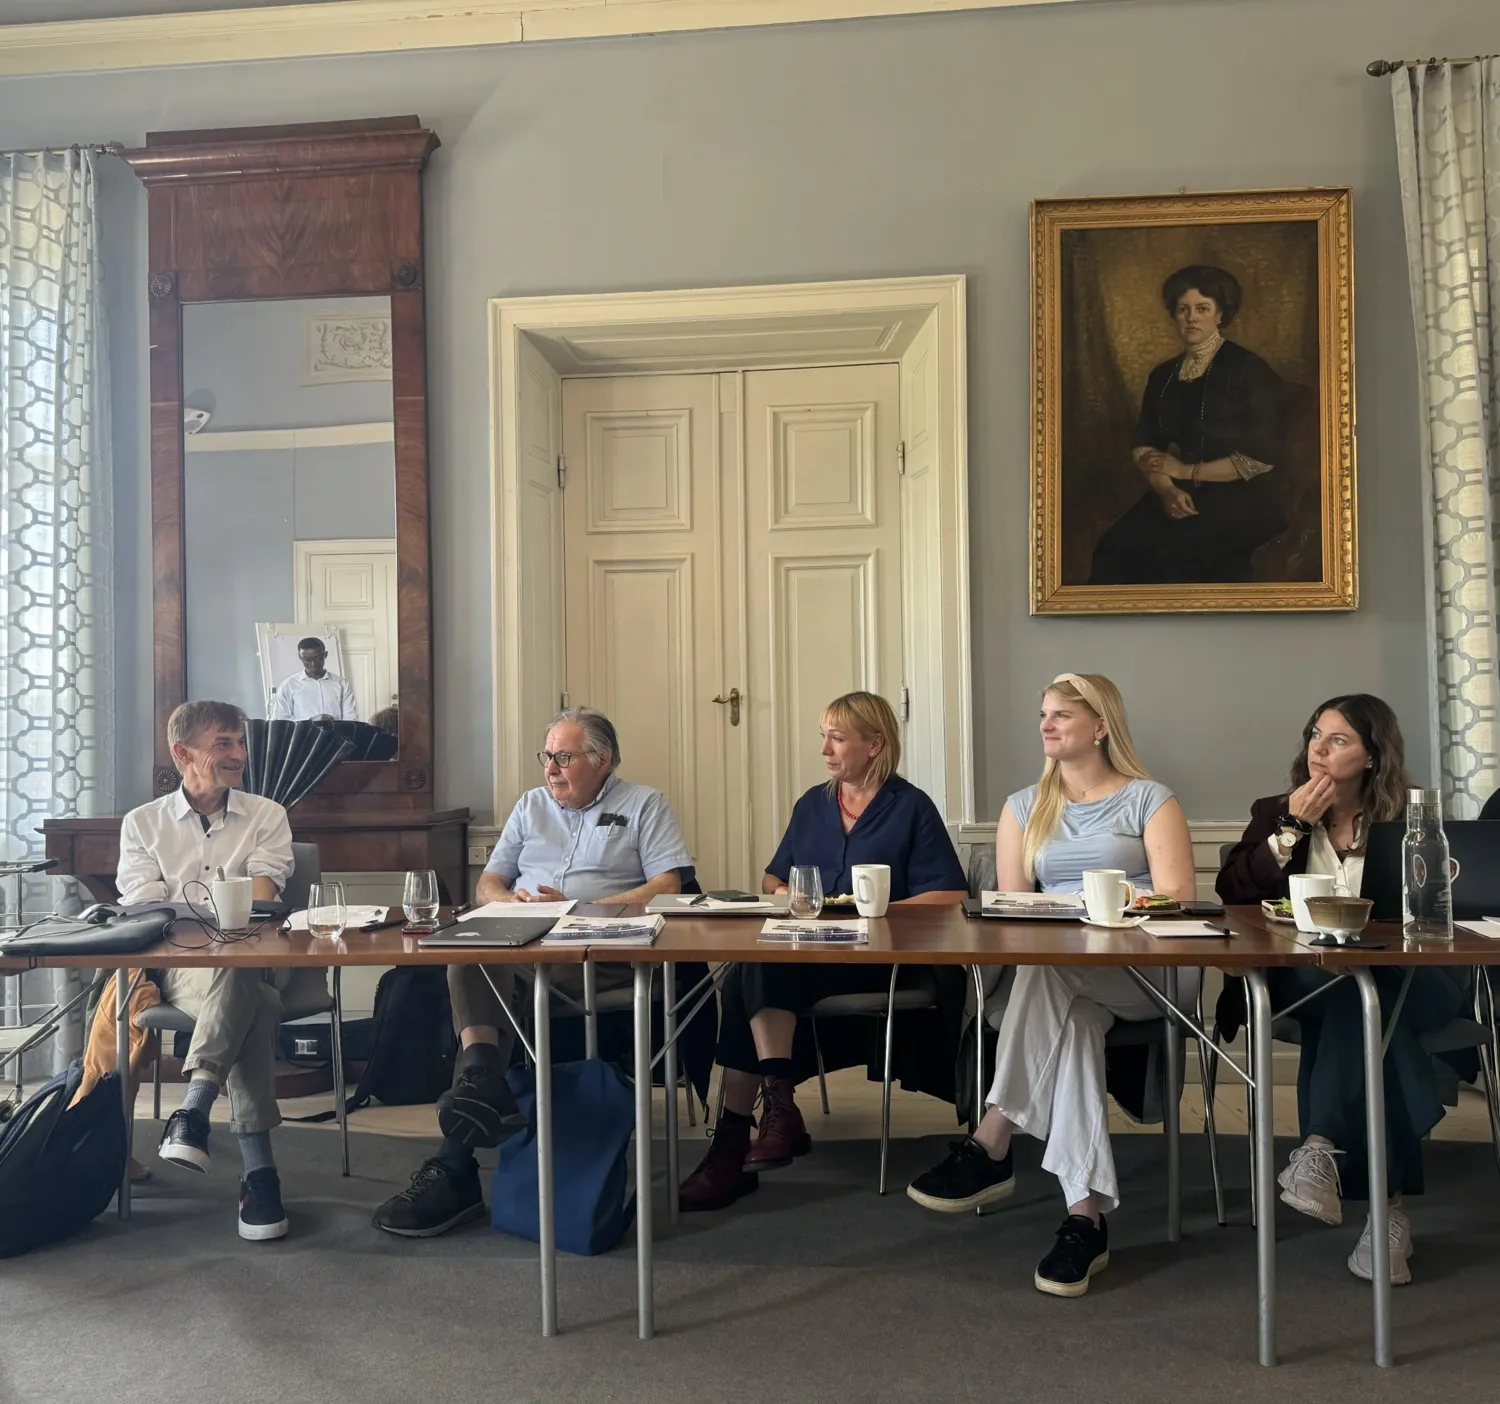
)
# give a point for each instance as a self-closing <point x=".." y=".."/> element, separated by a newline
<point x="479" y="855"/>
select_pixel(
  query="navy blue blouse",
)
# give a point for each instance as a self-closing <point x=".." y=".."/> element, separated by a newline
<point x="901" y="827"/>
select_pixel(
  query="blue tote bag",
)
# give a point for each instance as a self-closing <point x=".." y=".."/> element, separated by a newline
<point x="593" y="1118"/>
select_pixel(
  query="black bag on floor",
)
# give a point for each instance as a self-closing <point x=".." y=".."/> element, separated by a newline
<point x="412" y="1043"/>
<point x="59" y="1165"/>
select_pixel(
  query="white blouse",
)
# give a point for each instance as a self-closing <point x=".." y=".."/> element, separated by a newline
<point x="1347" y="872"/>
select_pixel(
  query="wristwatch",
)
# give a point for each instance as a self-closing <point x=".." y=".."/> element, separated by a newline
<point x="1286" y="841"/>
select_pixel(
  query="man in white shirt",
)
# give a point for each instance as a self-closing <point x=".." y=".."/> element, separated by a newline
<point x="170" y="851"/>
<point x="314" y="694"/>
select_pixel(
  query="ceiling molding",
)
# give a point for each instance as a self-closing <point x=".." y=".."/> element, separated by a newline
<point x="343" y="27"/>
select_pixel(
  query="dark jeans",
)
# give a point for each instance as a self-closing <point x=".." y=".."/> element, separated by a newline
<point x="754" y="986"/>
<point x="1331" y="1077"/>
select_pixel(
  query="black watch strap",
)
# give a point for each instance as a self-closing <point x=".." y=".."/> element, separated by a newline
<point x="1290" y="821"/>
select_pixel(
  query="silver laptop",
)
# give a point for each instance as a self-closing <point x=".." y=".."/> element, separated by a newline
<point x="488" y="933"/>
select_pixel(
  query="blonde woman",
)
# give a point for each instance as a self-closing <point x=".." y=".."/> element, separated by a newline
<point x="1094" y="807"/>
<point x="865" y="813"/>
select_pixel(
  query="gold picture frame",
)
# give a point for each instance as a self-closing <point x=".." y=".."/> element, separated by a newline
<point x="1151" y="494"/>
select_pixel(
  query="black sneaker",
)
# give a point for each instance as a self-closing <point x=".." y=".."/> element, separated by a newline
<point x="261" y="1214"/>
<point x="967" y="1179"/>
<point x="185" y="1141"/>
<point x="1081" y="1250"/>
<point x="479" y="1109"/>
<point x="436" y="1200"/>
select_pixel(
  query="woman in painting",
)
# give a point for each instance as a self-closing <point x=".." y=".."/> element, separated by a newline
<point x="1208" y="444"/>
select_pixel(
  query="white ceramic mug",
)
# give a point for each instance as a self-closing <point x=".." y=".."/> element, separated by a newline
<point x="232" y="903"/>
<point x="1303" y="886"/>
<point x="872" y="889"/>
<point x="1106" y="894"/>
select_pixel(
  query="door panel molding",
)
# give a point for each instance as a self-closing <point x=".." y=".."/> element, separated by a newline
<point x="726" y="330"/>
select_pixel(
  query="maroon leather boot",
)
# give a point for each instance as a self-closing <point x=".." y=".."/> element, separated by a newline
<point x="783" y="1134"/>
<point x="720" y="1178"/>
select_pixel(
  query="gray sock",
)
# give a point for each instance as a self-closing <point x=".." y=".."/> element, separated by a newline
<point x="200" y="1095"/>
<point x="255" y="1151"/>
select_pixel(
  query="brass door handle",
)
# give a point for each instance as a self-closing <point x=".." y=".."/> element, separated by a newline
<point x="733" y="703"/>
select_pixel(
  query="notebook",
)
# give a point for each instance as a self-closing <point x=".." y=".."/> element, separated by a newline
<point x="604" y="931"/>
<point x="681" y="904"/>
<point x="1027" y="906"/>
<point x="487" y="933"/>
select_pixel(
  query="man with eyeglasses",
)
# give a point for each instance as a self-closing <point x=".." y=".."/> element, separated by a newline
<point x="589" y="835"/>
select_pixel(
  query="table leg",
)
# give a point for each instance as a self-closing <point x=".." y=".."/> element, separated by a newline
<point x="669" y="1082"/>
<point x="1173" y="1114"/>
<point x="643" y="1245"/>
<point x="1261" y="1137"/>
<point x="1380" y="1243"/>
<point x="590" y="1009"/>
<point x="546" y="1223"/>
<point x="122" y="1066"/>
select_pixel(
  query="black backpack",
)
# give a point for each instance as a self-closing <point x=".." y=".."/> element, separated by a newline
<point x="411" y="1041"/>
<point x="59" y="1165"/>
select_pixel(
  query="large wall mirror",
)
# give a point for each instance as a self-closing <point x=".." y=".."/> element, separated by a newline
<point x="289" y="439"/>
<point x="289" y="442"/>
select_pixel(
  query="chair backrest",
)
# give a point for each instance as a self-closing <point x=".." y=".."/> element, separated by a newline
<point x="307" y="868"/>
<point x="1225" y="849"/>
<point x="981" y="869"/>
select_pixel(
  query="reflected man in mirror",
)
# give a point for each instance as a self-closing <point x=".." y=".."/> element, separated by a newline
<point x="586" y="835"/>
<point x="314" y="694"/>
<point x="170" y="851"/>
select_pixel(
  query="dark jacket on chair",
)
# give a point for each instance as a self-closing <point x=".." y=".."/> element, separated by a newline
<point x="1250" y="873"/>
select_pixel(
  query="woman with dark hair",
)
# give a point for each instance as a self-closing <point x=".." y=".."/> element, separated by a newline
<point x="1208" y="441"/>
<point x="1350" y="773"/>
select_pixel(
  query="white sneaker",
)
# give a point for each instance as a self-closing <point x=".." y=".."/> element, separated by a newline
<point x="1310" y="1184"/>
<point x="1402" y="1251"/>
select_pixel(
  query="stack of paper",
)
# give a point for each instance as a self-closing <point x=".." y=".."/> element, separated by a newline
<point x="603" y="931"/>
<point x="1183" y="930"/>
<point x="1034" y="903"/>
<point x="818" y="933"/>
<point x="355" y="919"/>
<point x="522" y="909"/>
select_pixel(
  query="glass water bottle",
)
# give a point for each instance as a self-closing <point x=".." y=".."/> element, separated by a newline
<point x="1426" y="875"/>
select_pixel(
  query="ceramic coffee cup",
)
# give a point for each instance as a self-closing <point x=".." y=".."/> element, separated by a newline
<point x="872" y="889"/>
<point x="1106" y="894"/>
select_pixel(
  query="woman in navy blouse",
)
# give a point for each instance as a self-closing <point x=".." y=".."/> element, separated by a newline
<point x="866" y="813"/>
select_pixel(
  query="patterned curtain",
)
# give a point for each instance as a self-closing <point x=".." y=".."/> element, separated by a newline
<point x="1448" y="148"/>
<point x="57" y="674"/>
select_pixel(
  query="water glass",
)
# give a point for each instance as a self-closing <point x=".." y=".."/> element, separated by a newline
<point x="326" y="911"/>
<point x="805" y="893"/>
<point x="419" y="900"/>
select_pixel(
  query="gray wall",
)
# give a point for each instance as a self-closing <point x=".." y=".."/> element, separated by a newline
<point x="842" y="151"/>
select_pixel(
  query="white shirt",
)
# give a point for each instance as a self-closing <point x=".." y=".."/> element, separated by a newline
<point x="163" y="846"/>
<point x="1347" y="872"/>
<point x="301" y="698"/>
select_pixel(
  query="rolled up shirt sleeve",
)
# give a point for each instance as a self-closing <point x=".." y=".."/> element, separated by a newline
<point x="933" y="865"/>
<point x="272" y="854"/>
<point x="661" y="845"/>
<point x="505" y="857"/>
<point x="138" y="874"/>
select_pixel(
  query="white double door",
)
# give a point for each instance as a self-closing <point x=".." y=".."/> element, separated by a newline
<point x="351" y="586"/>
<point x="732" y="561"/>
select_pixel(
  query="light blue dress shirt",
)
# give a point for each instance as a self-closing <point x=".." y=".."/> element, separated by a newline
<point x="589" y="853"/>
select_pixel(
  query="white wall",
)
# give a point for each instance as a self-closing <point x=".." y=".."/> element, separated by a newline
<point x="841" y="151"/>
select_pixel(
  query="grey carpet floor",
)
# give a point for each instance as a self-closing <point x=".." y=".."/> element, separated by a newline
<point x="813" y="1289"/>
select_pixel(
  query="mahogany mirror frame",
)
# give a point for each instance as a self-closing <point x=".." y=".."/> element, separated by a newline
<point x="328" y="209"/>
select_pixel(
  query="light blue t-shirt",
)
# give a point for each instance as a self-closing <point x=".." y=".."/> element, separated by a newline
<point x="1104" y="833"/>
<point x="627" y="835"/>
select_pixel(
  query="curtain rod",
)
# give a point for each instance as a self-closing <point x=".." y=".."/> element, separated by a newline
<point x="1381" y="67"/>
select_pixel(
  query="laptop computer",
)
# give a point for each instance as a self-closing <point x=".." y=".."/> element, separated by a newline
<point x="488" y="933"/>
<point x="1475" y="843"/>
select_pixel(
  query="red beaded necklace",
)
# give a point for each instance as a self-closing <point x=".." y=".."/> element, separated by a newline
<point x="844" y="808"/>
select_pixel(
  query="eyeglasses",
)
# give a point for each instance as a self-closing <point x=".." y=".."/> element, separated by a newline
<point x="562" y="758"/>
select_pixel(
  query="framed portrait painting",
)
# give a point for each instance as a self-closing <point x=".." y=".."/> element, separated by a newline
<point x="1193" y="404"/>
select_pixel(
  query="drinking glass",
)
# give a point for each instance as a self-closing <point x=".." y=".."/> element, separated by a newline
<point x="326" y="911"/>
<point x="420" y="899"/>
<point x="805" y="893"/>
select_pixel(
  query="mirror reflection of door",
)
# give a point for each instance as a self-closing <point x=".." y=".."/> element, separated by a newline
<point x="289" y="499"/>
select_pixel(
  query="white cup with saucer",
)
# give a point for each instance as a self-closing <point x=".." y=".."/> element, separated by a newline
<point x="1106" y="895"/>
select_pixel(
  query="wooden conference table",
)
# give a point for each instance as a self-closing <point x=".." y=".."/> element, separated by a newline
<point x="913" y="935"/>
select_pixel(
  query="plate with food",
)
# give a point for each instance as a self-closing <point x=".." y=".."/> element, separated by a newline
<point x="843" y="902"/>
<point x="1155" y="904"/>
<point x="1280" y="911"/>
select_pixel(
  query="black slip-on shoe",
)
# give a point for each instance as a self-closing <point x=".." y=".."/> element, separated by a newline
<point x="261" y="1214"/>
<point x="967" y="1179"/>
<point x="1081" y="1250"/>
